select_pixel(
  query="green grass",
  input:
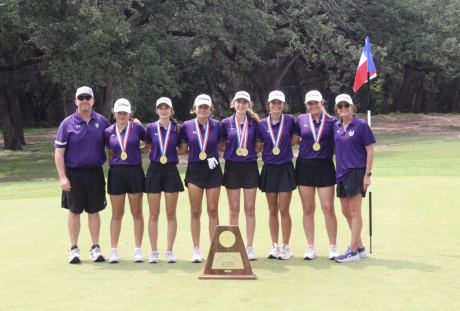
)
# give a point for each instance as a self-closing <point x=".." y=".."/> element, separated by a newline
<point x="415" y="237"/>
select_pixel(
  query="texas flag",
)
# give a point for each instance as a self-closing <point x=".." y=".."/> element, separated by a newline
<point x="366" y="64"/>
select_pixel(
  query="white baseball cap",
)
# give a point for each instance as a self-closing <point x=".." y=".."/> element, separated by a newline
<point x="313" y="95"/>
<point x="242" y="95"/>
<point x="122" y="105"/>
<point x="276" y="95"/>
<point x="164" y="100"/>
<point x="203" y="99"/>
<point x="343" y="98"/>
<point x="84" y="90"/>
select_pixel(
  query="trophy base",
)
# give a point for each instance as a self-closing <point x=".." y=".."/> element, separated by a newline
<point x="227" y="277"/>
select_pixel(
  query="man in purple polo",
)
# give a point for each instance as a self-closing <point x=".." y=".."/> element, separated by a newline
<point x="80" y="153"/>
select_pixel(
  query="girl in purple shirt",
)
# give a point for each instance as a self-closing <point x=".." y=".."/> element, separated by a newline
<point x="126" y="175"/>
<point x="202" y="136"/>
<point x="315" y="170"/>
<point x="354" y="152"/>
<point x="241" y="168"/>
<point x="163" y="137"/>
<point x="277" y="178"/>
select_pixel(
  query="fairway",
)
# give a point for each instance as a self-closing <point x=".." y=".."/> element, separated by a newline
<point x="415" y="237"/>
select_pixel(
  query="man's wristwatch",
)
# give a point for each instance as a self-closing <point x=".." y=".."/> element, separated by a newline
<point x="369" y="173"/>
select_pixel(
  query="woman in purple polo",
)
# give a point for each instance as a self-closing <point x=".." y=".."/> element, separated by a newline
<point x="126" y="175"/>
<point x="277" y="178"/>
<point x="354" y="153"/>
<point x="163" y="136"/>
<point x="241" y="168"/>
<point x="315" y="170"/>
<point x="201" y="136"/>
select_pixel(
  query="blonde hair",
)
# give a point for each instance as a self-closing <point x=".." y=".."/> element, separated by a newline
<point x="254" y="117"/>
<point x="193" y="111"/>
<point x="130" y="117"/>
<point x="323" y="109"/>
<point x="353" y="110"/>
<point x="174" y="121"/>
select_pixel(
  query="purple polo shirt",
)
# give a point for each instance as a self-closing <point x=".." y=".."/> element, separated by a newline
<point x="136" y="134"/>
<point x="84" y="141"/>
<point x="350" y="146"/>
<point x="263" y="135"/>
<point x="174" y="141"/>
<point x="189" y="136"/>
<point x="229" y="133"/>
<point x="302" y="129"/>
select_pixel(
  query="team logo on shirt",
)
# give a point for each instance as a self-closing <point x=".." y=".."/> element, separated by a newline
<point x="97" y="125"/>
<point x="78" y="126"/>
<point x="113" y="135"/>
<point x="194" y="132"/>
<point x="351" y="133"/>
<point x="306" y="125"/>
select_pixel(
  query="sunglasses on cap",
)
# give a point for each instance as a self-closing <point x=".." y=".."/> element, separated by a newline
<point x="81" y="98"/>
<point x="339" y="106"/>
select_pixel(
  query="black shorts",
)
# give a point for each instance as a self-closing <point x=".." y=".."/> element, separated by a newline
<point x="315" y="172"/>
<point x="277" y="178"/>
<point x="352" y="184"/>
<point x="239" y="175"/>
<point x="87" y="192"/>
<point x="163" y="178"/>
<point x="199" y="173"/>
<point x="125" y="179"/>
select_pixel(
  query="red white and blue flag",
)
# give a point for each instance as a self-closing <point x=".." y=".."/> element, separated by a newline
<point x="366" y="64"/>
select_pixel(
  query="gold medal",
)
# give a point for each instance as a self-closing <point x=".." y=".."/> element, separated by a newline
<point x="316" y="146"/>
<point x="124" y="156"/>
<point x="244" y="152"/>
<point x="238" y="151"/>
<point x="203" y="156"/>
<point x="276" y="151"/>
<point x="163" y="159"/>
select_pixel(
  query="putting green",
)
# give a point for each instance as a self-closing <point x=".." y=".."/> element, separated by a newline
<point x="415" y="237"/>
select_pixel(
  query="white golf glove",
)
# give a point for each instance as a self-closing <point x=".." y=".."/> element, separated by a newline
<point x="212" y="162"/>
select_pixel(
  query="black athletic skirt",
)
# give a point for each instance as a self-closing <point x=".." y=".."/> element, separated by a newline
<point x="315" y="172"/>
<point x="277" y="178"/>
<point x="199" y="173"/>
<point x="239" y="175"/>
<point x="163" y="178"/>
<point x="352" y="184"/>
<point x="125" y="179"/>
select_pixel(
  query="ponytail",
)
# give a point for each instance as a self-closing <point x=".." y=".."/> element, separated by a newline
<point x="254" y="117"/>
<point x="174" y="121"/>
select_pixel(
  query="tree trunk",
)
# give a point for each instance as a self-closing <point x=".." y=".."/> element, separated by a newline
<point x="418" y="97"/>
<point x="219" y="109"/>
<point x="404" y="90"/>
<point x="11" y="142"/>
<point x="104" y="100"/>
<point x="68" y="101"/>
<point x="386" y="91"/>
<point x="432" y="93"/>
<point x="456" y="102"/>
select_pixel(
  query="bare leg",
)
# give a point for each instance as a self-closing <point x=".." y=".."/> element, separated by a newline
<point x="273" y="222"/>
<point x="195" y="195"/>
<point x="346" y="211"/>
<point x="326" y="197"/>
<point x="154" y="208"/>
<point x="94" y="224"/>
<point x="356" y="220"/>
<point x="135" y="202"/>
<point x="307" y="196"/>
<point x="286" y="223"/>
<point x="73" y="223"/>
<point x="212" y="199"/>
<point x="171" y="204"/>
<point x="234" y="196"/>
<point x="118" y="210"/>
<point x="250" y="212"/>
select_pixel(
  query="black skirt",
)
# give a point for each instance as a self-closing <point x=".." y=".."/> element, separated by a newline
<point x="199" y="173"/>
<point x="277" y="178"/>
<point x="239" y="175"/>
<point x="125" y="179"/>
<point x="315" y="172"/>
<point x="163" y="178"/>
<point x="352" y="184"/>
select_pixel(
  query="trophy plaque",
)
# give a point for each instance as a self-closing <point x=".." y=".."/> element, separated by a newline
<point x="227" y="257"/>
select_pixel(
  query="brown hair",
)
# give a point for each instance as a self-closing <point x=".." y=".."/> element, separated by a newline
<point x="131" y="114"/>
<point x="284" y="107"/>
<point x="254" y="117"/>
<point x="193" y="111"/>
<point x="174" y="121"/>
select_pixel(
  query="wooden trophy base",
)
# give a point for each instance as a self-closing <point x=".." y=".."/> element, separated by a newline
<point x="227" y="259"/>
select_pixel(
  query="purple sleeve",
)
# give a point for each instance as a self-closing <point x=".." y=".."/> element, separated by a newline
<point x="148" y="139"/>
<point x="297" y="127"/>
<point x="62" y="135"/>
<point x="143" y="132"/>
<point x="219" y="135"/>
<point x="107" y="139"/>
<point x="180" y="134"/>
<point x="334" y="130"/>
<point x="184" y="137"/>
<point x="367" y="136"/>
<point x="292" y="124"/>
<point x="259" y="129"/>
<point x="223" y="129"/>
<point x="106" y="123"/>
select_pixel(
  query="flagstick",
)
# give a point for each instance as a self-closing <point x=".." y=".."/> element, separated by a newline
<point x="370" y="186"/>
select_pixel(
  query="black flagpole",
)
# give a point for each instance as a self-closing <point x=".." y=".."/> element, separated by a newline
<point x="370" y="186"/>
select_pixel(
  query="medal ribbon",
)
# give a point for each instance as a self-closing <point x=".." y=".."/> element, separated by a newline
<point x="123" y="143"/>
<point x="316" y="136"/>
<point x="163" y="143"/>
<point x="242" y="135"/>
<point x="270" y="130"/>
<point x="202" y="143"/>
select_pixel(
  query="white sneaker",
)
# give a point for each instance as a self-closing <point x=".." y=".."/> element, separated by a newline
<point x="138" y="254"/>
<point x="197" y="257"/>
<point x="285" y="252"/>
<point x="154" y="257"/>
<point x="310" y="253"/>
<point x="114" y="255"/>
<point x="251" y="253"/>
<point x="274" y="252"/>
<point x="170" y="257"/>
<point x="74" y="255"/>
<point x="333" y="251"/>
<point x="95" y="254"/>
